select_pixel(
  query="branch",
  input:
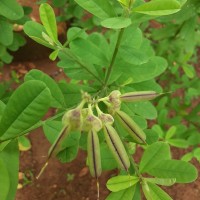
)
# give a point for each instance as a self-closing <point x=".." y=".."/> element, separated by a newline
<point x="110" y="68"/>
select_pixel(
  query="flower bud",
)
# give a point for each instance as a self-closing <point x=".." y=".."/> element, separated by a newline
<point x="93" y="123"/>
<point x="106" y="118"/>
<point x="138" y="96"/>
<point x="132" y="128"/>
<point x="73" y="118"/>
<point x="114" y="99"/>
<point x="90" y="121"/>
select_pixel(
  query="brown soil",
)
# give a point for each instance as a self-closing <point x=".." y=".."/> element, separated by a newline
<point x="53" y="184"/>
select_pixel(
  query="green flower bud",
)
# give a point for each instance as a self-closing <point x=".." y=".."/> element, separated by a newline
<point x="114" y="98"/>
<point x="73" y="118"/>
<point x="105" y="118"/>
<point x="92" y="122"/>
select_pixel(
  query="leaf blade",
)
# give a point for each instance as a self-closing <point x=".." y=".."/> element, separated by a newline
<point x="11" y="9"/>
<point x="101" y="8"/>
<point x="158" y="7"/>
<point x="10" y="156"/>
<point x="116" y="22"/>
<point x="48" y="19"/>
<point x="154" y="153"/>
<point x="58" y="98"/>
<point x="184" y="172"/>
<point x="118" y="183"/>
<point x="25" y="107"/>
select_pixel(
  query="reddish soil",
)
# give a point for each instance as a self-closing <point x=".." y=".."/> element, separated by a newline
<point x="53" y="184"/>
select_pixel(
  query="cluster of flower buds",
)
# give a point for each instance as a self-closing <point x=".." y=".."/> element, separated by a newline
<point x="82" y="118"/>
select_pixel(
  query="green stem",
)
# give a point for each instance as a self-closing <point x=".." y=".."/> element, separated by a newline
<point x="82" y="65"/>
<point x="132" y="161"/>
<point x="37" y="125"/>
<point x="110" y="68"/>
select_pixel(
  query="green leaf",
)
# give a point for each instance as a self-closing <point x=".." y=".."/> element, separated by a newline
<point x="182" y="171"/>
<point x="187" y="157"/>
<point x="162" y="181"/>
<point x="100" y="8"/>
<point x="72" y="92"/>
<point x="10" y="157"/>
<point x="132" y="55"/>
<point x="151" y="136"/>
<point x="54" y="55"/>
<point x="85" y="49"/>
<point x="48" y="19"/>
<point x="59" y="3"/>
<point x="57" y="96"/>
<point x="24" y="143"/>
<point x="2" y="107"/>
<point x="68" y="154"/>
<point x="18" y="41"/>
<point x="6" y="36"/>
<point x="107" y="160"/>
<point x="26" y="107"/>
<point x="139" y="73"/>
<point x="116" y="22"/>
<point x="158" y="7"/>
<point x="144" y="109"/>
<point x="5" y="181"/>
<point x="4" y="55"/>
<point x="118" y="183"/>
<point x="154" y="154"/>
<point x="170" y="133"/>
<point x="149" y="70"/>
<point x="3" y="145"/>
<point x="196" y="153"/>
<point x="69" y="146"/>
<point x="34" y="30"/>
<point x="11" y="9"/>
<point x="73" y="66"/>
<point x="153" y="192"/>
<point x="75" y="32"/>
<point x="123" y="194"/>
<point x="100" y="41"/>
<point x="189" y="71"/>
<point x="180" y="143"/>
<point x="129" y="40"/>
<point x="52" y="130"/>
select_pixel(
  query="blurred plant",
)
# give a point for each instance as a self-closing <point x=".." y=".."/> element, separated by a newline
<point x="12" y="18"/>
<point x="177" y="38"/>
<point x="70" y="177"/>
